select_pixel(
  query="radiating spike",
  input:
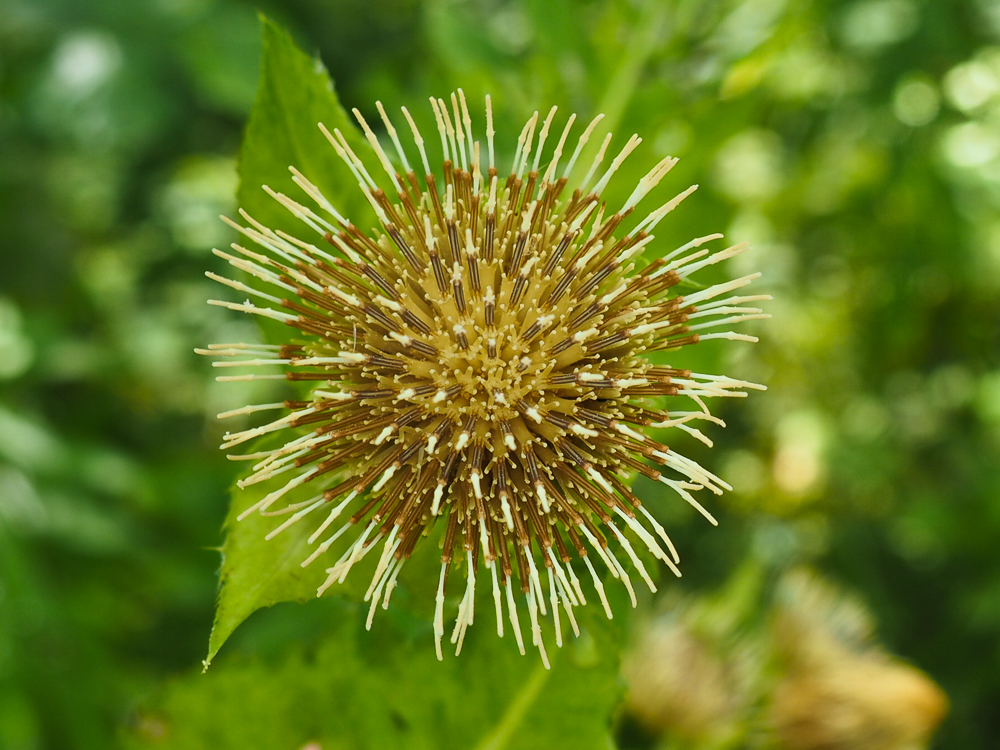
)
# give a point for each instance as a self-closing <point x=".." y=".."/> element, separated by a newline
<point x="394" y="136"/>
<point x="595" y="164"/>
<point x="629" y="147"/>
<point x="581" y="142"/>
<point x="512" y="611"/>
<point x="418" y="140"/>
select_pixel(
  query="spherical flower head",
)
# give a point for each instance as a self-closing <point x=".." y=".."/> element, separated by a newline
<point x="478" y="363"/>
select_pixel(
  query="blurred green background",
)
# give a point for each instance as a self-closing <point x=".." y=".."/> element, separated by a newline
<point x="855" y="144"/>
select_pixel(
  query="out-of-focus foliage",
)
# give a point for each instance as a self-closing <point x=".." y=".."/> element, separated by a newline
<point x="856" y="144"/>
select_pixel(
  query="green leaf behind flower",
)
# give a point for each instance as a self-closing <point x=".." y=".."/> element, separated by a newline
<point x="294" y="95"/>
<point x="257" y="572"/>
<point x="386" y="689"/>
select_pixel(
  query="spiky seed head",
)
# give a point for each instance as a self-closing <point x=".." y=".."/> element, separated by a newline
<point x="479" y="363"/>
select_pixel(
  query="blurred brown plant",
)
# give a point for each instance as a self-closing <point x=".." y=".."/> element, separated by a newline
<point x="680" y="685"/>
<point x="839" y="690"/>
<point x="812" y="678"/>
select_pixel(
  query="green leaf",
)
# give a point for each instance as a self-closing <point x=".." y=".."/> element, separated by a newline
<point x="383" y="689"/>
<point x="257" y="572"/>
<point x="294" y="95"/>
